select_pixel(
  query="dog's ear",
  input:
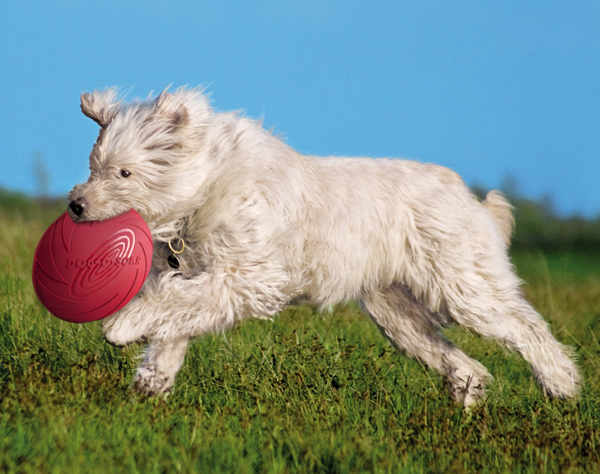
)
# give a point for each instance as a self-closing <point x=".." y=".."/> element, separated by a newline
<point x="169" y="107"/>
<point x="101" y="106"/>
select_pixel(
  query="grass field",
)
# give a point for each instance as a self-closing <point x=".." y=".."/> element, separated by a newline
<point x="307" y="392"/>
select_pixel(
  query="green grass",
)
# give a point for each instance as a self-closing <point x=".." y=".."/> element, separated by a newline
<point x="307" y="392"/>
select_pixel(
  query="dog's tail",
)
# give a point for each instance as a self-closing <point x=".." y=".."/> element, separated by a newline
<point x="501" y="209"/>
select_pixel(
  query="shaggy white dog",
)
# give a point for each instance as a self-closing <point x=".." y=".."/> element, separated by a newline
<point x="264" y="226"/>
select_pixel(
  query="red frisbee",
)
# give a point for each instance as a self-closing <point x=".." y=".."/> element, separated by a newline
<point x="86" y="271"/>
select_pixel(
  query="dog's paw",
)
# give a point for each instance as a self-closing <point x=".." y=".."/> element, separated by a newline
<point x="118" y="341"/>
<point x="119" y="333"/>
<point x="468" y="394"/>
<point x="150" y="381"/>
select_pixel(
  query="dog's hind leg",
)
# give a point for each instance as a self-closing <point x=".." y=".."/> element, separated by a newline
<point x="516" y="324"/>
<point x="487" y="300"/>
<point x="162" y="361"/>
<point x="415" y="331"/>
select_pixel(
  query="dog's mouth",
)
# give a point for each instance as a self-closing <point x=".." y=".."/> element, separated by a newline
<point x="88" y="217"/>
<point x="90" y="214"/>
<point x="81" y="211"/>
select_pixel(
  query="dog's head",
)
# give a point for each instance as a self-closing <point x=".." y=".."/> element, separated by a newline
<point x="148" y="156"/>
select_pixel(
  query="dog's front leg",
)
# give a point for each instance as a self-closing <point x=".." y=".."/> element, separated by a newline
<point x="210" y="302"/>
<point x="162" y="361"/>
<point x="172" y="310"/>
<point x="133" y="322"/>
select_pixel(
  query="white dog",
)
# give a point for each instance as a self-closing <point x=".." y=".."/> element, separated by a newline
<point x="262" y="226"/>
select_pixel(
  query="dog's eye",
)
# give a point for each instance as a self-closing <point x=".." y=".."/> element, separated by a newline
<point x="125" y="173"/>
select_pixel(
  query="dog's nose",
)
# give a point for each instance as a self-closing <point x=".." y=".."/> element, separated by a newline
<point x="77" y="206"/>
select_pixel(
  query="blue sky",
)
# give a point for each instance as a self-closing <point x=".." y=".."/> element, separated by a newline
<point x="488" y="88"/>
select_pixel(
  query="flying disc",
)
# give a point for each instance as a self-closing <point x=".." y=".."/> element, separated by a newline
<point x="86" y="271"/>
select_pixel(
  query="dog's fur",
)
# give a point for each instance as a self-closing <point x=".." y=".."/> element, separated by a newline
<point x="265" y="226"/>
